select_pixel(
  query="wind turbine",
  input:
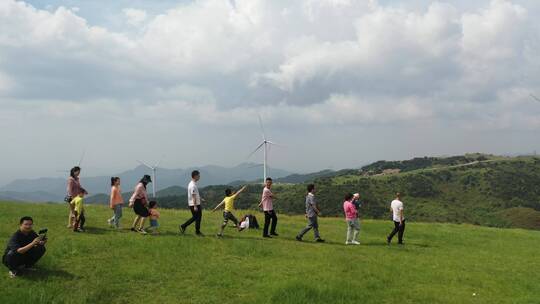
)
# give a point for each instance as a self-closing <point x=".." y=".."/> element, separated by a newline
<point x="265" y="145"/>
<point x="535" y="98"/>
<point x="78" y="164"/>
<point x="153" y="168"/>
<point x="82" y="158"/>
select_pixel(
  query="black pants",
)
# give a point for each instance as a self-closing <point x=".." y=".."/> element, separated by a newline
<point x="196" y="216"/>
<point x="399" y="230"/>
<point x="79" y="223"/>
<point x="270" y="216"/>
<point x="13" y="260"/>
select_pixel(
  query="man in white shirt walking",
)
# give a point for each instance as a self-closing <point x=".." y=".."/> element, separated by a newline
<point x="194" y="203"/>
<point x="399" y="220"/>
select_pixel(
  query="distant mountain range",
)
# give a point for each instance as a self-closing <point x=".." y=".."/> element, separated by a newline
<point x="473" y="188"/>
<point x="54" y="189"/>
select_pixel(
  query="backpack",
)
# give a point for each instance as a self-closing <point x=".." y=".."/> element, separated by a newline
<point x="253" y="224"/>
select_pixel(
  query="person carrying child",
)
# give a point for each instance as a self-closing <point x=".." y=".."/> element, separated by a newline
<point x="228" y="201"/>
<point x="351" y="217"/>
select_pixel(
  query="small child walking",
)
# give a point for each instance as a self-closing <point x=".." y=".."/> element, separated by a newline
<point x="154" y="217"/>
<point x="351" y="217"/>
<point x="116" y="203"/>
<point x="228" y="201"/>
<point x="78" y="211"/>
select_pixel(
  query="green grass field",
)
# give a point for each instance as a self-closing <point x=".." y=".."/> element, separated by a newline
<point x="440" y="263"/>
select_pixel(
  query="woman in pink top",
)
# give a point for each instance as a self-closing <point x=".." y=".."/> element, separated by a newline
<point x="139" y="202"/>
<point x="73" y="189"/>
<point x="351" y="217"/>
<point x="115" y="202"/>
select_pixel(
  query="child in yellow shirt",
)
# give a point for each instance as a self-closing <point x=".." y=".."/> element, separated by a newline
<point x="228" y="201"/>
<point x="78" y="209"/>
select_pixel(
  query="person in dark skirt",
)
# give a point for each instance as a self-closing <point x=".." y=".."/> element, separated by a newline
<point x="139" y="202"/>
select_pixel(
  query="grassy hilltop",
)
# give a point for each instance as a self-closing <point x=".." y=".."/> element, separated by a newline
<point x="440" y="263"/>
<point x="474" y="188"/>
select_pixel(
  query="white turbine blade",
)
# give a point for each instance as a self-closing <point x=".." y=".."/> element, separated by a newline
<point x="82" y="157"/>
<point x="275" y="144"/>
<point x="262" y="128"/>
<point x="535" y="98"/>
<point x="256" y="149"/>
<point x="157" y="164"/>
<point x="144" y="164"/>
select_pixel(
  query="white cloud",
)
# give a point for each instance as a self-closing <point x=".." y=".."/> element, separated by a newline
<point x="5" y="84"/>
<point x="135" y="16"/>
<point x="258" y="52"/>
<point x="301" y="64"/>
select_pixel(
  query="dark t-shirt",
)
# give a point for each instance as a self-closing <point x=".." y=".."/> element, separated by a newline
<point x="357" y="204"/>
<point x="19" y="240"/>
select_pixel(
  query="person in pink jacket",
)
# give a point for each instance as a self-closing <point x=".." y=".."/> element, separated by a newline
<point x="73" y="189"/>
<point x="351" y="217"/>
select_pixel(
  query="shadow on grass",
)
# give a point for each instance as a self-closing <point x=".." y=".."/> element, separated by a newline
<point x="407" y="245"/>
<point x="97" y="230"/>
<point x="41" y="274"/>
<point x="169" y="233"/>
<point x="326" y="243"/>
<point x="238" y="236"/>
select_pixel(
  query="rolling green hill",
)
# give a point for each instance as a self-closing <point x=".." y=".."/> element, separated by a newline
<point x="440" y="263"/>
<point x="474" y="188"/>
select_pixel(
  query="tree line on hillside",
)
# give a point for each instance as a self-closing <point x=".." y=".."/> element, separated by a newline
<point x="422" y="163"/>
<point x="468" y="194"/>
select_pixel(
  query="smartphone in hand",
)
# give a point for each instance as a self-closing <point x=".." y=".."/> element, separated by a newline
<point x="43" y="234"/>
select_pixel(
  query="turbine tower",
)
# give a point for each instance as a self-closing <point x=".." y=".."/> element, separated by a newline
<point x="265" y="145"/>
<point x="153" y="168"/>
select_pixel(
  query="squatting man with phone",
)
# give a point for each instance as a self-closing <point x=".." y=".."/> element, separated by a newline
<point x="24" y="248"/>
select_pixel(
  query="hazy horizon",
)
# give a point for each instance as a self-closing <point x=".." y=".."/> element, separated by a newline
<point x="339" y="83"/>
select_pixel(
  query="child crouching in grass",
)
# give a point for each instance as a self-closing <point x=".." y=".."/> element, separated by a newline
<point x="154" y="216"/>
<point x="77" y="204"/>
<point x="228" y="201"/>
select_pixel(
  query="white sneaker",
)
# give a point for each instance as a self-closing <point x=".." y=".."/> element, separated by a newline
<point x="110" y="222"/>
<point x="12" y="274"/>
<point x="355" y="242"/>
<point x="348" y="243"/>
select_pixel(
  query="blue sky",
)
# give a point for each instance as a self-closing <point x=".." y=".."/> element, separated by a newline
<point x="106" y="13"/>
<point x="340" y="83"/>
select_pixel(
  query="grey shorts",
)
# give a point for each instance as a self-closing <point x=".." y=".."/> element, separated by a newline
<point x="229" y="216"/>
<point x="354" y="224"/>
